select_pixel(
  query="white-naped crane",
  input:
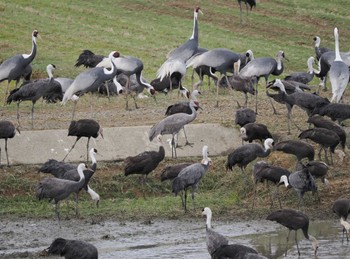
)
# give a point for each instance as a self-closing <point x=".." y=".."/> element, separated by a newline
<point x="338" y="72"/>
<point x="303" y="77"/>
<point x="172" y="171"/>
<point x="244" y="116"/>
<point x="59" y="189"/>
<point x="301" y="181"/>
<point x="145" y="162"/>
<point x="219" y="60"/>
<point x="245" y="154"/>
<point x="72" y="249"/>
<point x="300" y="149"/>
<point x="264" y="67"/>
<point x="294" y="220"/>
<point x="13" y="68"/>
<point x="7" y="130"/>
<point x="253" y="131"/>
<point x="327" y="139"/>
<point x="68" y="171"/>
<point x="191" y="176"/>
<point x="341" y="207"/>
<point x="48" y="89"/>
<point x="172" y="125"/>
<point x="84" y="128"/>
<point x="305" y="100"/>
<point x="264" y="172"/>
<point x="177" y="58"/>
<point x="251" y="3"/>
<point x="90" y="79"/>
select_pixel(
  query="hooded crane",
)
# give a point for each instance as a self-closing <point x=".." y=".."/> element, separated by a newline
<point x="172" y="171"/>
<point x="47" y="88"/>
<point x="244" y="116"/>
<point x="336" y="111"/>
<point x="319" y="50"/>
<point x="294" y="220"/>
<point x="190" y="176"/>
<point x="91" y="79"/>
<point x="263" y="171"/>
<point x="301" y="181"/>
<point x="319" y="169"/>
<point x="252" y="131"/>
<point x="89" y="59"/>
<point x="303" y="77"/>
<point x="338" y="73"/>
<point x="324" y="137"/>
<point x="84" y="128"/>
<point x="177" y="58"/>
<point x="63" y="81"/>
<point x="67" y="171"/>
<point x="341" y="207"/>
<point x="59" y="189"/>
<point x="172" y="125"/>
<point x="14" y="67"/>
<point x="243" y="155"/>
<point x="7" y="130"/>
<point x="300" y="149"/>
<point x="264" y="67"/>
<point x="145" y="162"/>
<point x="252" y="3"/>
<point x="72" y="249"/>
<point x="220" y="60"/>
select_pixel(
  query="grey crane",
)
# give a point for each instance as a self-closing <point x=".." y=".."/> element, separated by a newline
<point x="145" y="162"/>
<point x="338" y="72"/>
<point x="324" y="137"/>
<point x="59" y="189"/>
<point x="303" y="77"/>
<point x="243" y="155"/>
<point x="49" y="89"/>
<point x="264" y="67"/>
<point x="252" y="131"/>
<point x="90" y="79"/>
<point x="341" y="207"/>
<point x="301" y="181"/>
<point x="244" y="116"/>
<point x="336" y="111"/>
<point x="214" y="240"/>
<point x="7" y="130"/>
<point x="294" y="220"/>
<point x="84" y="128"/>
<point x="252" y="3"/>
<point x="172" y="125"/>
<point x="190" y="176"/>
<point x="300" y="149"/>
<point x="72" y="249"/>
<point x="68" y="171"/>
<point x="321" y="122"/>
<point x="172" y="171"/>
<point x="306" y="101"/>
<point x="262" y="172"/>
<point x="219" y="59"/>
<point x="177" y="58"/>
<point x="13" y="68"/>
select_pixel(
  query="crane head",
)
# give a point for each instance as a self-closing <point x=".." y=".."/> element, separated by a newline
<point x="198" y="10"/>
<point x="35" y="33"/>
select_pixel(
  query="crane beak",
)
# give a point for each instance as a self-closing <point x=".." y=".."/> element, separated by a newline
<point x="200" y="11"/>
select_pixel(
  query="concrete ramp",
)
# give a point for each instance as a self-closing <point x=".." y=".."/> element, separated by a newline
<point x="36" y="147"/>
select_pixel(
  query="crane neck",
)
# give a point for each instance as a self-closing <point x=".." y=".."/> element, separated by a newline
<point x="29" y="57"/>
<point x="49" y="70"/>
<point x="317" y="42"/>
<point x="113" y="70"/>
<point x="337" y="52"/>
<point x="118" y="85"/>
<point x="81" y="168"/>
<point x="195" y="27"/>
<point x="208" y="223"/>
<point x="345" y="224"/>
<point x="309" y="65"/>
<point x="284" y="180"/>
<point x="94" y="195"/>
<point x="93" y="157"/>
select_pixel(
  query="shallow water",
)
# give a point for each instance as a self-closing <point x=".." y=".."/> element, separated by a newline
<point x="167" y="238"/>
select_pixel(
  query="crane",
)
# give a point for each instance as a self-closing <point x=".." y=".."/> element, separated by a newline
<point x="294" y="220"/>
<point x="172" y="125"/>
<point x="59" y="189"/>
<point x="172" y="171"/>
<point x="252" y="131"/>
<point x="303" y="77"/>
<point x="252" y="3"/>
<point x="336" y="111"/>
<point x="84" y="128"/>
<point x="72" y="249"/>
<point x="341" y="207"/>
<point x="190" y="176"/>
<point x="338" y="72"/>
<point x="13" y="68"/>
<point x="244" y="116"/>
<point x="7" y="130"/>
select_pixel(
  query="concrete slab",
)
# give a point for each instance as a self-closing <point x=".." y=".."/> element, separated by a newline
<point x="36" y="147"/>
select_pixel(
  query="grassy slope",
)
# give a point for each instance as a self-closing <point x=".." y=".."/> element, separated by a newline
<point x="149" y="30"/>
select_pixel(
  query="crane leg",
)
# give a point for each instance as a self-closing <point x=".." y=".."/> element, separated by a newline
<point x="76" y="204"/>
<point x="7" y="156"/>
<point x="217" y="91"/>
<point x="277" y="192"/>
<point x="74" y="107"/>
<point x="33" y="115"/>
<point x="57" y="210"/>
<point x="18" y="112"/>
<point x="287" y="242"/>
<point x="71" y="148"/>
<point x="6" y="92"/>
<point x="187" y="142"/>
<point x="240" y="11"/>
<point x="296" y="242"/>
<point x="255" y="186"/>
<point x="87" y="150"/>
<point x="185" y="200"/>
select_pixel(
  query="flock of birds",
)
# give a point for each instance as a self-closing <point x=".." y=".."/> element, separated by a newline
<point x="117" y="74"/>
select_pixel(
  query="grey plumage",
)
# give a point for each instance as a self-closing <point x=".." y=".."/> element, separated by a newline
<point x="303" y="77"/>
<point x="172" y="125"/>
<point x="7" y="130"/>
<point x="300" y="149"/>
<point x="244" y="116"/>
<point x="72" y="249"/>
<point x="341" y="207"/>
<point x="294" y="220"/>
<point x="59" y="189"/>
<point x="190" y="176"/>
